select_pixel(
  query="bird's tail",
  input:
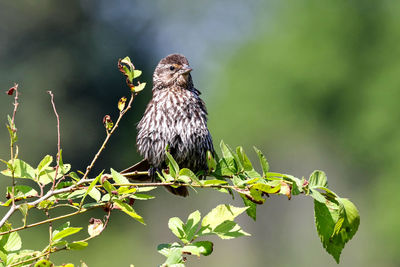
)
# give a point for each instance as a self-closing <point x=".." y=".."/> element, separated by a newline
<point x="135" y="173"/>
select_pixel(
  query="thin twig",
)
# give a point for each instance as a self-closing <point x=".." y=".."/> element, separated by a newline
<point x="46" y="196"/>
<point x="13" y="129"/>
<point x="15" y="102"/>
<point x="50" y="232"/>
<point x="30" y="260"/>
<point x="103" y="146"/>
<point x="83" y="180"/>
<point x="58" y="138"/>
<point x="51" y="219"/>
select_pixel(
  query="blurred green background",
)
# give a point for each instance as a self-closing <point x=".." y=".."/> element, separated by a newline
<point x="314" y="84"/>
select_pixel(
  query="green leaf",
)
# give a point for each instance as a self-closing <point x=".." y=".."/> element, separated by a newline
<point x="191" y="226"/>
<point x="95" y="194"/>
<point x="173" y="252"/>
<point x="109" y="187"/>
<point x="46" y="176"/>
<point x="191" y="250"/>
<point x="22" y="191"/>
<point x="211" y="163"/>
<point x="13" y="242"/>
<point x="139" y="87"/>
<point x="213" y="182"/>
<point x="136" y="73"/>
<point x="173" y="166"/>
<point x="219" y="221"/>
<point x="220" y="214"/>
<point x="263" y="161"/>
<point x="229" y="230"/>
<point x="337" y="222"/>
<point x="176" y="226"/>
<point x="252" y="207"/>
<point x="317" y="195"/>
<point x="74" y="176"/>
<point x="44" y="164"/>
<point x="66" y="232"/>
<point x="118" y="178"/>
<point x="244" y="160"/>
<point x="77" y="245"/>
<point x="21" y="170"/>
<point x="188" y="173"/>
<point x="266" y="188"/>
<point x="128" y="210"/>
<point x="145" y="188"/>
<point x="142" y="196"/>
<point x="90" y="189"/>
<point x="318" y="179"/>
<point x="206" y="247"/>
<point x="228" y="158"/>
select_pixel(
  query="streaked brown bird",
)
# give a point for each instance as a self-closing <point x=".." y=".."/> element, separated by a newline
<point x="175" y="117"/>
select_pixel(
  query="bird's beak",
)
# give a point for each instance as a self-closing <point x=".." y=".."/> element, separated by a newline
<point x="185" y="69"/>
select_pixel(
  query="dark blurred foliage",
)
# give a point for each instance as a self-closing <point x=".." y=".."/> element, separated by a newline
<point x="313" y="84"/>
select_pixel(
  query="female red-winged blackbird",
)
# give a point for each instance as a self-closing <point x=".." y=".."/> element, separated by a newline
<point x="175" y="117"/>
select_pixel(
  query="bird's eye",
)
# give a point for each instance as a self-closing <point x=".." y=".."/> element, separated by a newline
<point x="171" y="68"/>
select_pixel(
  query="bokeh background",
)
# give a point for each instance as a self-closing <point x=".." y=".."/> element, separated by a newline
<point x="314" y="84"/>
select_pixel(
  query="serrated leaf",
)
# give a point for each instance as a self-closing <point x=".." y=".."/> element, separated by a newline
<point x="118" y="178"/>
<point x="128" y="210"/>
<point x="318" y="179"/>
<point x="66" y="232"/>
<point x="263" y="161"/>
<point x="336" y="224"/>
<point x="77" y="245"/>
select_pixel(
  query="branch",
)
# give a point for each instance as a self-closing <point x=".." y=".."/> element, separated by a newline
<point x="58" y="138"/>
<point x="103" y="146"/>
<point x="83" y="180"/>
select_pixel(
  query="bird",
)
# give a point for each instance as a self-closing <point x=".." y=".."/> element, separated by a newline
<point x="176" y="117"/>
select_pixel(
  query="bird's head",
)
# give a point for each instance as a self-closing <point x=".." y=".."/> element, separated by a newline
<point x="173" y="70"/>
